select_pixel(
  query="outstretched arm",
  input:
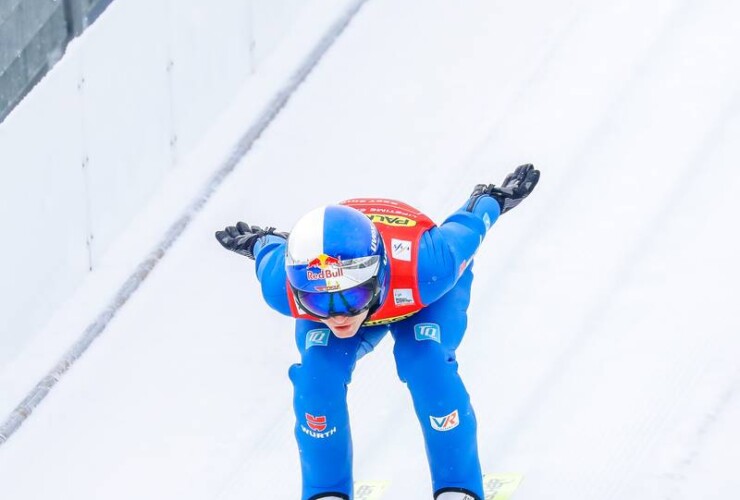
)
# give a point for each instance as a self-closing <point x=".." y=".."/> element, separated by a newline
<point x="447" y="250"/>
<point x="267" y="248"/>
<point x="269" y="253"/>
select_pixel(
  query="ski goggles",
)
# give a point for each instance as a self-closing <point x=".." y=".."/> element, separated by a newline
<point x="349" y="302"/>
<point x="318" y="276"/>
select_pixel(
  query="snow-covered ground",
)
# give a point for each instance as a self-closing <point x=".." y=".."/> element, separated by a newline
<point x="603" y="344"/>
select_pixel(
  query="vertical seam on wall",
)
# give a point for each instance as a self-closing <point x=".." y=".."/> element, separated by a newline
<point x="85" y="167"/>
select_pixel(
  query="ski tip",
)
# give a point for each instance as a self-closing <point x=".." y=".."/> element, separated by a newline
<point x="498" y="486"/>
<point x="370" y="490"/>
<point x="501" y="486"/>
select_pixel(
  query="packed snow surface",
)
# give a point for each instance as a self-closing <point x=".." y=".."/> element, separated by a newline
<point x="603" y="342"/>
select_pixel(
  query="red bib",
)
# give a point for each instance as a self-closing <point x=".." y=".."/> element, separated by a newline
<point x="401" y="227"/>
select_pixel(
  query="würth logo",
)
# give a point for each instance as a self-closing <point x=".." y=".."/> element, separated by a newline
<point x="317" y="427"/>
<point x="317" y="424"/>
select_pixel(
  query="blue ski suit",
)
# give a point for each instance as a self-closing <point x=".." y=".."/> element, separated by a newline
<point x="424" y="351"/>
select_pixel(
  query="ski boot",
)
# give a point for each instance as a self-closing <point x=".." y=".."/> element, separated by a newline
<point x="455" y="494"/>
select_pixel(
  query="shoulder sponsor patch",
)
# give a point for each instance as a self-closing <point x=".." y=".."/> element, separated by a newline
<point x="317" y="338"/>
<point x="428" y="331"/>
<point x="446" y="423"/>
<point x="401" y="249"/>
<point x="403" y="296"/>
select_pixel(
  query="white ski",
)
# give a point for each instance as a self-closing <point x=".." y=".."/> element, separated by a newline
<point x="370" y="490"/>
<point x="500" y="486"/>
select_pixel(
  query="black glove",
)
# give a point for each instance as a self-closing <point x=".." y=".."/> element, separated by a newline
<point x="514" y="189"/>
<point x="242" y="237"/>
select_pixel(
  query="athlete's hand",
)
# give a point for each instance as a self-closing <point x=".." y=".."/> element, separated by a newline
<point x="516" y="186"/>
<point x="242" y="237"/>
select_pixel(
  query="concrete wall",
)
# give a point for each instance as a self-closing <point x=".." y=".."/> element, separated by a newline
<point x="93" y="140"/>
<point x="33" y="37"/>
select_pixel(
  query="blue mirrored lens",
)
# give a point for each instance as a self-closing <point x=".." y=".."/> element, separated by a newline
<point x="345" y="303"/>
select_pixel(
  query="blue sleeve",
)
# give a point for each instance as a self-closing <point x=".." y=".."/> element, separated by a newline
<point x="269" y="257"/>
<point x="447" y="250"/>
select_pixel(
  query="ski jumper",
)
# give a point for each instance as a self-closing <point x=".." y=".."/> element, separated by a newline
<point x="401" y="227"/>
<point x="425" y="310"/>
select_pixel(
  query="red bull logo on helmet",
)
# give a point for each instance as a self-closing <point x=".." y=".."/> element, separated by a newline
<point x="328" y="268"/>
<point x="325" y="274"/>
<point x="323" y="261"/>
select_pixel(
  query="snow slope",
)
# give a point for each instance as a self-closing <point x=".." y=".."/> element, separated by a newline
<point x="602" y="346"/>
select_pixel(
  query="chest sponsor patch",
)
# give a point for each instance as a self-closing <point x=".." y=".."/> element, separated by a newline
<point x="392" y="220"/>
<point x="403" y="297"/>
<point x="428" y="331"/>
<point x="446" y="423"/>
<point x="317" y="338"/>
<point x="401" y="249"/>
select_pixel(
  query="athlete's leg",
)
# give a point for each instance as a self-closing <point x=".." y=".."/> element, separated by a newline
<point x="425" y="359"/>
<point x="320" y="403"/>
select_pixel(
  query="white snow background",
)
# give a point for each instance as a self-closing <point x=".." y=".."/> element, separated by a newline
<point x="602" y="353"/>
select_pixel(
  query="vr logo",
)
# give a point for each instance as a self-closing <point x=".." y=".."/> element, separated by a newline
<point x="428" y="331"/>
<point x="317" y="338"/>
<point x="446" y="423"/>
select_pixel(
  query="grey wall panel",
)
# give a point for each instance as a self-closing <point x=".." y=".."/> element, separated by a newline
<point x="32" y="40"/>
<point x="33" y="36"/>
<point x="95" y="8"/>
<point x="6" y="7"/>
<point x="22" y="25"/>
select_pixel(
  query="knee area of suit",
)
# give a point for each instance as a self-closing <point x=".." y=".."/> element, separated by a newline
<point x="319" y="372"/>
<point x="423" y="361"/>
